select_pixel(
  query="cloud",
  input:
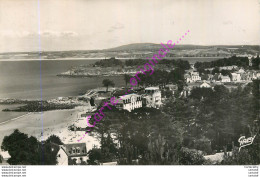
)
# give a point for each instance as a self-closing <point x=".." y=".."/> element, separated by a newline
<point x="48" y="33"/>
<point x="228" y="22"/>
<point x="11" y="33"/>
<point x="115" y="27"/>
<point x="45" y="33"/>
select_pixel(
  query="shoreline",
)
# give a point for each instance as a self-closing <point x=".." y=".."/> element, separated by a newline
<point x="54" y="122"/>
<point x="100" y="58"/>
<point x="56" y="59"/>
<point x="16" y="118"/>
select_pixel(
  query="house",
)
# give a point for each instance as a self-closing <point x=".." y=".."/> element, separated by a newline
<point x="250" y="58"/>
<point x="241" y="70"/>
<point x="152" y="97"/>
<point x="205" y="85"/>
<point x="187" y="78"/>
<point x="195" y="77"/>
<point x="236" y="77"/>
<point x="225" y="79"/>
<point x="4" y="155"/>
<point x="129" y="102"/>
<point x="171" y="87"/>
<point x="62" y="157"/>
<point x="217" y="158"/>
<point x="216" y="77"/>
<point x="186" y="91"/>
<point x="109" y="163"/>
<point x="228" y="67"/>
<point x="75" y="151"/>
<point x="192" y="77"/>
<point x="210" y="76"/>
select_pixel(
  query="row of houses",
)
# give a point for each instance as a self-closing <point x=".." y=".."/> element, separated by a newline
<point x="238" y="76"/>
<point x="206" y="84"/>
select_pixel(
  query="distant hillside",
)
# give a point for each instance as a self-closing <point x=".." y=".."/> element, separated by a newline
<point x="150" y="46"/>
<point x="141" y="51"/>
<point x="153" y="46"/>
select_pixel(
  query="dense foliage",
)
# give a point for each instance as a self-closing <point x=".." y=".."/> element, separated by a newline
<point x="238" y="61"/>
<point x="185" y="129"/>
<point x="109" y="62"/>
<point x="184" y="65"/>
<point x="161" y="78"/>
<point x="25" y="150"/>
<point x="107" y="83"/>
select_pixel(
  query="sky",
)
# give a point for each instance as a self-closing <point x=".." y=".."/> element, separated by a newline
<point x="51" y="25"/>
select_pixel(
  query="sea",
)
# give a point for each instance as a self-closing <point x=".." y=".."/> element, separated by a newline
<point x="35" y="79"/>
<point x="38" y="80"/>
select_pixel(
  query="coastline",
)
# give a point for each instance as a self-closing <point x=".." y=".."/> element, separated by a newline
<point x="16" y="118"/>
<point x="47" y="59"/>
<point x="50" y="123"/>
<point x="99" y="58"/>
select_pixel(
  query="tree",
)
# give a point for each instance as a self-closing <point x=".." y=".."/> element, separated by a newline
<point x="22" y="149"/>
<point x="26" y="150"/>
<point x="215" y="70"/>
<point x="176" y="75"/>
<point x="256" y="63"/>
<point x="72" y="161"/>
<point x="198" y="93"/>
<point x="127" y="79"/>
<point x="92" y="101"/>
<point x="108" y="149"/>
<point x="54" y="139"/>
<point x="190" y="157"/>
<point x="95" y="156"/>
<point x="107" y="83"/>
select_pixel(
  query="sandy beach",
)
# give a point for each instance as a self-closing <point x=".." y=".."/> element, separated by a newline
<point x="49" y="122"/>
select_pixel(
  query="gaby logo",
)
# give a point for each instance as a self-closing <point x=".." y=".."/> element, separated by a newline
<point x="245" y="141"/>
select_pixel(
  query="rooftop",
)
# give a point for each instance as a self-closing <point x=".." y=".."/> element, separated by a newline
<point x="5" y="154"/>
<point x="75" y="149"/>
<point x="128" y="96"/>
<point x="152" y="88"/>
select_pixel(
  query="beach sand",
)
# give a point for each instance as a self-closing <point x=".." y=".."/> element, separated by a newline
<point x="49" y="122"/>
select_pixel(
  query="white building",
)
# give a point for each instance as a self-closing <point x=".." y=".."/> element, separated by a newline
<point x="195" y="77"/>
<point x="75" y="151"/>
<point x="205" y="85"/>
<point x="192" y="77"/>
<point x="171" y="87"/>
<point x="241" y="70"/>
<point x="153" y="97"/>
<point x="250" y="58"/>
<point x="225" y="79"/>
<point x="236" y="77"/>
<point x="258" y="75"/>
<point x="187" y="78"/>
<point x="130" y="102"/>
<point x="228" y="67"/>
<point x="4" y="155"/>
